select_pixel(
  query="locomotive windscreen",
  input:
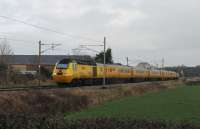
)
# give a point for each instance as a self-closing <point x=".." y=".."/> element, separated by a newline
<point x="63" y="64"/>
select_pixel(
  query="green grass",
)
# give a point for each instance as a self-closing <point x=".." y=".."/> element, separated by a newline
<point x="180" y="104"/>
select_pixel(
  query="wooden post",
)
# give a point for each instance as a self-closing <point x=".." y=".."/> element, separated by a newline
<point x="39" y="65"/>
<point x="104" y="63"/>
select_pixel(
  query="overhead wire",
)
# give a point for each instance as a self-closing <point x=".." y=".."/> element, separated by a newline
<point x="48" y="29"/>
<point x="18" y="40"/>
<point x="51" y="30"/>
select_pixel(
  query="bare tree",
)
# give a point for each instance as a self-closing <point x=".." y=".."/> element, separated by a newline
<point x="5" y="50"/>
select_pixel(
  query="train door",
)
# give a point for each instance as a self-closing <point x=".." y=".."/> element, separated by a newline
<point x="74" y="67"/>
<point x="94" y="71"/>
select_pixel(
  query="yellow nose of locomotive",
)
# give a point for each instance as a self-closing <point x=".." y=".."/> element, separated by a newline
<point x="62" y="76"/>
<point x="61" y="73"/>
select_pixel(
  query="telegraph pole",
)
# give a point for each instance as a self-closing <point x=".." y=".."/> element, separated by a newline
<point x="7" y="75"/>
<point x="163" y="61"/>
<point x="104" y="62"/>
<point x="127" y="61"/>
<point x="39" y="57"/>
<point x="104" y="57"/>
<point x="39" y="63"/>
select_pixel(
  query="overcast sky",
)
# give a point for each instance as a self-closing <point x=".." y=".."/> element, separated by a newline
<point x="147" y="30"/>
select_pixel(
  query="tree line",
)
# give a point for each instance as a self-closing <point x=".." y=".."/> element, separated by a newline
<point x="186" y="71"/>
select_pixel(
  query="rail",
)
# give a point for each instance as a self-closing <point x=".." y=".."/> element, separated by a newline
<point x="26" y="88"/>
<point x="46" y="87"/>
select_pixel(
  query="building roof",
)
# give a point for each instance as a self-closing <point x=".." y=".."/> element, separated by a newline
<point x="45" y="59"/>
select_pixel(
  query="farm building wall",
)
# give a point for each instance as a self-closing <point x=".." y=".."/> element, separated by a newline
<point x="16" y="68"/>
<point x="25" y="67"/>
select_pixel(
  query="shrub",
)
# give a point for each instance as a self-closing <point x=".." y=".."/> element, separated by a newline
<point x="25" y="121"/>
<point x="45" y="72"/>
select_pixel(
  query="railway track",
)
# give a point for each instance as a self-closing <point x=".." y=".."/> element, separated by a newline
<point x="26" y="88"/>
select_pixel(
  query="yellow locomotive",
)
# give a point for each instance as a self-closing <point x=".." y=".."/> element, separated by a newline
<point x="74" y="71"/>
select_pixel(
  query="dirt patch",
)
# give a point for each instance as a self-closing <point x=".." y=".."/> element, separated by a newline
<point x="192" y="81"/>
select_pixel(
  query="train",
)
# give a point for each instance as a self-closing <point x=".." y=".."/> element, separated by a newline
<point x="80" y="72"/>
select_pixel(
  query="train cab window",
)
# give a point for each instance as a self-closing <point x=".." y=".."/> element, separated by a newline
<point x="61" y="66"/>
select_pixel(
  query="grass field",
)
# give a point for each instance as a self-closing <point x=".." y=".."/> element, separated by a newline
<point x="180" y="104"/>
